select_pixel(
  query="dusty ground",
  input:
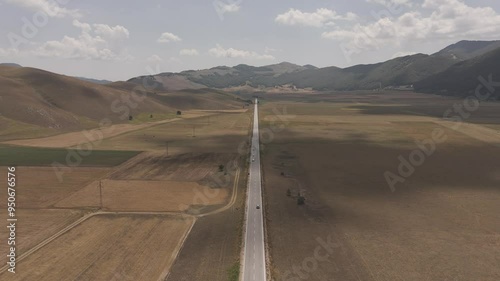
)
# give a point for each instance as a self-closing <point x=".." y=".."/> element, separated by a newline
<point x="184" y="167"/>
<point x="218" y="133"/>
<point x="108" y="247"/>
<point x="36" y="225"/>
<point x="440" y="224"/>
<point x="145" y="196"/>
<point x="212" y="249"/>
<point x="39" y="187"/>
<point x="186" y="181"/>
<point x="96" y="135"/>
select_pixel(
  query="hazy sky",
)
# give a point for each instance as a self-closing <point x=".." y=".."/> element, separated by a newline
<point x="117" y="40"/>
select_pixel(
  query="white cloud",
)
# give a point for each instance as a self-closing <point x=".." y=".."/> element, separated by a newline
<point x="220" y="52"/>
<point x="268" y="50"/>
<point x="402" y="54"/>
<point x="51" y="8"/>
<point x="319" y="18"/>
<point x="154" y="58"/>
<point x="174" y="60"/>
<point x="8" y="52"/>
<point x="226" y="6"/>
<point x="446" y="19"/>
<point x="117" y="32"/>
<point x="393" y="4"/>
<point x="189" y="52"/>
<point x="169" y="37"/>
<point x="229" y="7"/>
<point x="85" y="27"/>
<point x="98" y="41"/>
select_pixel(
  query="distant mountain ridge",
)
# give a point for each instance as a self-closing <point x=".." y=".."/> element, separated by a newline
<point x="10" y="64"/>
<point x="95" y="81"/>
<point x="465" y="50"/>
<point x="397" y="72"/>
<point x="463" y="78"/>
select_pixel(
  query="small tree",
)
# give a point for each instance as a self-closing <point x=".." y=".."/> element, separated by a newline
<point x="151" y="116"/>
<point x="301" y="200"/>
<point x="288" y="192"/>
<point x="130" y="118"/>
<point x="221" y="168"/>
<point x="179" y="112"/>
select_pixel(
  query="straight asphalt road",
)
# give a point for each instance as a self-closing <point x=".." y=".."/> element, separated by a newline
<point x="254" y="260"/>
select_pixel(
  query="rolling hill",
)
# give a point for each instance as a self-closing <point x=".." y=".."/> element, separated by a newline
<point x="463" y="78"/>
<point x="401" y="71"/>
<point x="35" y="102"/>
<point x="465" y="50"/>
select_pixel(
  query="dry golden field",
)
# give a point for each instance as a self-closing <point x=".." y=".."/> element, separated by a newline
<point x="218" y="133"/>
<point x="35" y="225"/>
<point x="108" y="247"/>
<point x="145" y="196"/>
<point x="441" y="223"/>
<point x="143" y="208"/>
<point x="39" y="187"/>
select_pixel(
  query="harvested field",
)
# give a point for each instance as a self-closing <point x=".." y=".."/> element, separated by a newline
<point x="146" y="196"/>
<point x="34" y="226"/>
<point x="184" y="167"/>
<point x="62" y="158"/>
<point x="94" y="135"/>
<point x="108" y="247"/>
<point x="39" y="187"/>
<point x="217" y="133"/>
<point x="439" y="224"/>
<point x="212" y="249"/>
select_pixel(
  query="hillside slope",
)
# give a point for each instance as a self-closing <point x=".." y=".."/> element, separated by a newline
<point x="462" y="78"/>
<point x="35" y="103"/>
<point x="465" y="50"/>
<point x="401" y="71"/>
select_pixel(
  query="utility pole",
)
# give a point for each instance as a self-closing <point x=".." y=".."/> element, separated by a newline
<point x="100" y="192"/>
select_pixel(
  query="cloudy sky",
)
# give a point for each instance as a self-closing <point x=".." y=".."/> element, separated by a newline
<point x="117" y="40"/>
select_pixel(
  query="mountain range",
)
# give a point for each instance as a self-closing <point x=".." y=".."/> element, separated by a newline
<point x="427" y="72"/>
<point x="34" y="100"/>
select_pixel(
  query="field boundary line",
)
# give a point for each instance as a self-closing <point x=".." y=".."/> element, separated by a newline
<point x="79" y="221"/>
<point x="51" y="238"/>
<point x="164" y="275"/>
<point x="231" y="202"/>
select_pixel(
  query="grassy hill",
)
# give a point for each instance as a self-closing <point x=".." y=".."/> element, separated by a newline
<point x="36" y="103"/>
<point x="465" y="50"/>
<point x="462" y="78"/>
<point x="401" y="71"/>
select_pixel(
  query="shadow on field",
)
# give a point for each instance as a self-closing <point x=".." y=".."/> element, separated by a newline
<point x="449" y="205"/>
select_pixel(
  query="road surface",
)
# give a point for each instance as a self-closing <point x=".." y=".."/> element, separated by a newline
<point x="254" y="261"/>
